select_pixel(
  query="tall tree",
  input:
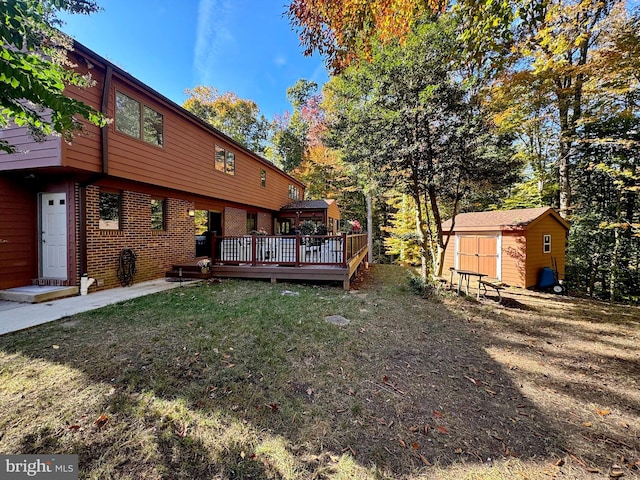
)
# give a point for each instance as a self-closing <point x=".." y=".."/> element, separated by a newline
<point x="406" y="114"/>
<point x="343" y="30"/>
<point x="291" y="130"/>
<point x="236" y="117"/>
<point x="34" y="69"/>
<point x="542" y="45"/>
<point x="605" y="256"/>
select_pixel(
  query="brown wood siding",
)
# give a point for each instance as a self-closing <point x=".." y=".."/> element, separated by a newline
<point x="186" y="161"/>
<point x="18" y="250"/>
<point x="536" y="258"/>
<point x="513" y="258"/>
<point x="84" y="152"/>
<point x="333" y="211"/>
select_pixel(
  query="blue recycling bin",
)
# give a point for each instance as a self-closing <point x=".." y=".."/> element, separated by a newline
<point x="546" y="279"/>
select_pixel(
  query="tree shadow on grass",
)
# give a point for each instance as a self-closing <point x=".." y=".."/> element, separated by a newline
<point x="577" y="360"/>
<point x="407" y="383"/>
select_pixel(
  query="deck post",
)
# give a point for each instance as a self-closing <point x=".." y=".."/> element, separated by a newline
<point x="344" y="252"/>
<point x="298" y="249"/>
<point x="254" y="249"/>
<point x="214" y="239"/>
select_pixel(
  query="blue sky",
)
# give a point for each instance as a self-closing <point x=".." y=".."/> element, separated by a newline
<point x="244" y="46"/>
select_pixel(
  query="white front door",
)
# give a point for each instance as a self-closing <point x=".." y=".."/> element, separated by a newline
<point x="53" y="235"/>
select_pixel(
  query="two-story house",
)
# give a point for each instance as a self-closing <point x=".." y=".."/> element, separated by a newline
<point x="70" y="209"/>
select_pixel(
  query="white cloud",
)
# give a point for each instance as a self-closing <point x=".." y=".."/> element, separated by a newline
<point x="211" y="36"/>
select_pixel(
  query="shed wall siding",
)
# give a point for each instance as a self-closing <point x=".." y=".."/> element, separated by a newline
<point x="449" y="256"/>
<point x="536" y="258"/>
<point x="514" y="258"/>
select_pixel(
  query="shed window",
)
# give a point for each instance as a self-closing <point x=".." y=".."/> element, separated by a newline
<point x="546" y="243"/>
<point x="110" y="204"/>
<point x="263" y="178"/>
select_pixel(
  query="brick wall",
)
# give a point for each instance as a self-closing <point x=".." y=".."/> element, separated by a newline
<point x="265" y="222"/>
<point x="235" y="221"/>
<point x="155" y="250"/>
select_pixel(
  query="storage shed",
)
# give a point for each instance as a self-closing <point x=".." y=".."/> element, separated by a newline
<point x="511" y="246"/>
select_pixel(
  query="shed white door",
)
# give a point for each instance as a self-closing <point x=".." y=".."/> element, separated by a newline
<point x="479" y="253"/>
<point x="53" y="235"/>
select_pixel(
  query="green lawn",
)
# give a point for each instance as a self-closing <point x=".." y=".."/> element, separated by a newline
<point x="244" y="379"/>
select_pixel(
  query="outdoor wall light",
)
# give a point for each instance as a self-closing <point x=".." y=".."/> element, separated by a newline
<point x="191" y="212"/>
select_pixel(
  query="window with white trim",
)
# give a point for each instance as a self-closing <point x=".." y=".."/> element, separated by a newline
<point x="546" y="243"/>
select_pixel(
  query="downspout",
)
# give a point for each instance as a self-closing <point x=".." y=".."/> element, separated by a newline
<point x="104" y="169"/>
<point x="106" y="88"/>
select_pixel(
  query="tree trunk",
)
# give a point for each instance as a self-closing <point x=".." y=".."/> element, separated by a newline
<point x="370" y="226"/>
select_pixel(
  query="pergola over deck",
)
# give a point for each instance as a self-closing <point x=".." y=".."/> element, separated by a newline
<point x="286" y="257"/>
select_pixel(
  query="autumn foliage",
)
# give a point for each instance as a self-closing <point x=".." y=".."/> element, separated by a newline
<point x="342" y="30"/>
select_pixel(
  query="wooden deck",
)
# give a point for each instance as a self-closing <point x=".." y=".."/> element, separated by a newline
<point x="330" y="258"/>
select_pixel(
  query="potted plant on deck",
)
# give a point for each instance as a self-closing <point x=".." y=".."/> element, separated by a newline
<point x="205" y="265"/>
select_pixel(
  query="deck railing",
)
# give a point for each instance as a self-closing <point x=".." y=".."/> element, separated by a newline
<point x="289" y="250"/>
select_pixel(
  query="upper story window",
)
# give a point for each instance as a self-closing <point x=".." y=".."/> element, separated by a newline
<point x="139" y="121"/>
<point x="110" y="206"/>
<point x="225" y="161"/>
<point x="546" y="243"/>
<point x="263" y="178"/>
<point x="294" y="192"/>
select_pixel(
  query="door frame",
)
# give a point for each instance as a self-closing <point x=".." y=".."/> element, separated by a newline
<point x="41" y="252"/>
<point x="497" y="235"/>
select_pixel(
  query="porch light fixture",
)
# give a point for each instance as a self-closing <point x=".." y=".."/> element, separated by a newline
<point x="191" y="212"/>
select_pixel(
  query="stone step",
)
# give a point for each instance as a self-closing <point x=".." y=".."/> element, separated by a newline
<point x="37" y="293"/>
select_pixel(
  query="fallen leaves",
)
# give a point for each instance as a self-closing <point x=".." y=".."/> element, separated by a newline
<point x="101" y="421"/>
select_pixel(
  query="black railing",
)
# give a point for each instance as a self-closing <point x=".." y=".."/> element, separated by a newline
<point x="287" y="250"/>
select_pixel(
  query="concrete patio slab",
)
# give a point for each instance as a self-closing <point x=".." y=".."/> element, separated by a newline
<point x="16" y="316"/>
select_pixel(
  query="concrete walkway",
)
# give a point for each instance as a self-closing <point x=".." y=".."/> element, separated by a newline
<point x="16" y="316"/>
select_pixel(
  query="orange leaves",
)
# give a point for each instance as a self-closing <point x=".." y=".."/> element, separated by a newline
<point x="346" y="29"/>
<point x="101" y="421"/>
<point x="604" y="412"/>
